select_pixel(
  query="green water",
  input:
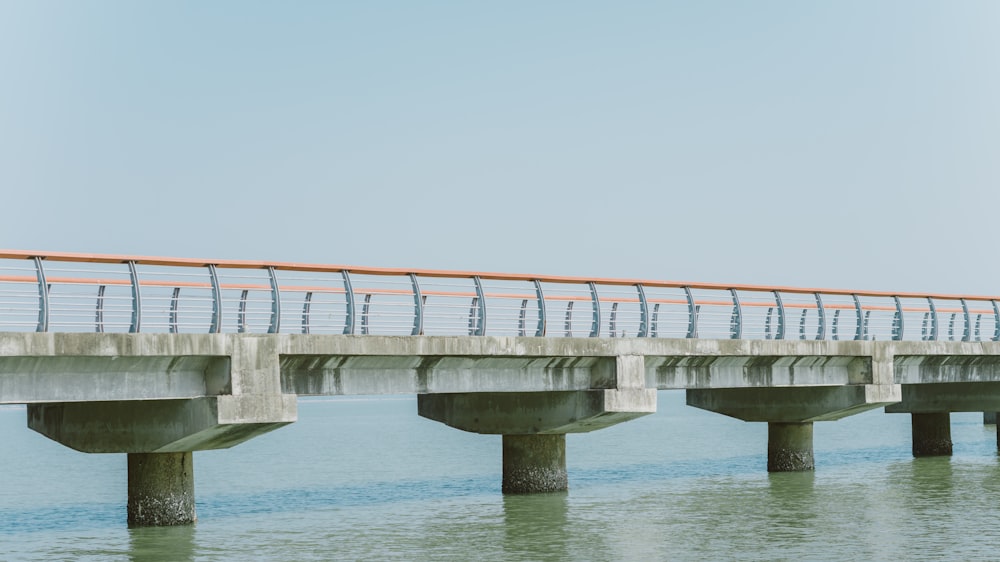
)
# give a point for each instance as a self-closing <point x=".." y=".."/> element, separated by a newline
<point x="367" y="479"/>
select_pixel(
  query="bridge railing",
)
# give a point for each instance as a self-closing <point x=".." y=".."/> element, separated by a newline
<point x="50" y="292"/>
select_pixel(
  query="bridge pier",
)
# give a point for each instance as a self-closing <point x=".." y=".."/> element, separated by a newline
<point x="931" y="434"/>
<point x="160" y="489"/>
<point x="534" y="424"/>
<point x="790" y="447"/>
<point x="790" y="413"/>
<point x="930" y="406"/>
<point x="534" y="464"/>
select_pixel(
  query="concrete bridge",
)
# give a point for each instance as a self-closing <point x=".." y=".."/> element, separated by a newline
<point x="160" y="357"/>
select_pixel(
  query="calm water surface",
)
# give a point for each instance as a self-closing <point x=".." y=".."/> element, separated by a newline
<point x="367" y="479"/>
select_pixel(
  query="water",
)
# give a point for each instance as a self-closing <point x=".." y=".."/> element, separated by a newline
<point x="367" y="479"/>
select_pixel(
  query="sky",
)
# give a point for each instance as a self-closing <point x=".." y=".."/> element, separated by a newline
<point x="850" y="144"/>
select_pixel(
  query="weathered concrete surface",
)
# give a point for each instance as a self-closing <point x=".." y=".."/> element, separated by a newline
<point x="790" y="447"/>
<point x="793" y="404"/>
<point x="948" y="397"/>
<point x="161" y="489"/>
<point x="536" y="412"/>
<point x="534" y="464"/>
<point x="161" y="425"/>
<point x="549" y="412"/>
<point x="931" y="434"/>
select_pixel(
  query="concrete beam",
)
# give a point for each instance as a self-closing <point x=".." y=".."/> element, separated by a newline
<point x="948" y="397"/>
<point x="28" y="380"/>
<point x="794" y="404"/>
<point x="708" y="371"/>
<point x="536" y="412"/>
<point x="158" y="426"/>
<point x="345" y="375"/>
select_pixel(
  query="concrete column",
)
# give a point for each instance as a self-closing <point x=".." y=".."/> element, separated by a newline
<point x="790" y="447"/>
<point x="534" y="463"/>
<point x="160" y="489"/>
<point x="931" y="434"/>
<point x="989" y="418"/>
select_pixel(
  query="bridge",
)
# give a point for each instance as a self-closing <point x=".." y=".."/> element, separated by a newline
<point x="159" y="357"/>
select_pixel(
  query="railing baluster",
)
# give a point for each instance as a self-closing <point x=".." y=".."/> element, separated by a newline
<point x="241" y="317"/>
<point x="43" y="297"/>
<point x="306" y="305"/>
<point x="643" y="311"/>
<point x="692" y="314"/>
<point x="897" y="321"/>
<point x="275" y="325"/>
<point x="522" y="318"/>
<point x="99" y="314"/>
<point x="541" y="309"/>
<point x="859" y="334"/>
<point x="174" y="298"/>
<point x="216" y="326"/>
<point x="821" y="312"/>
<point x="136" y="299"/>
<point x="736" y="321"/>
<point x="481" y="296"/>
<point x="349" y="295"/>
<point x="569" y="319"/>
<point x="967" y="334"/>
<point x="418" y="308"/>
<point x="934" y="320"/>
<point x="613" y="320"/>
<point x="655" y="322"/>
<point x="365" y="309"/>
<point x="473" y="309"/>
<point x="595" y="324"/>
<point x="802" y="325"/>
<point x="781" y="316"/>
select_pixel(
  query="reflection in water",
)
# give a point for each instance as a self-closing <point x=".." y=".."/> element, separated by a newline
<point x="152" y="544"/>
<point x="535" y="527"/>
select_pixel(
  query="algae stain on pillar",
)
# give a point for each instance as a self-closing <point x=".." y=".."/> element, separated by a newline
<point x="161" y="489"/>
<point x="534" y="464"/>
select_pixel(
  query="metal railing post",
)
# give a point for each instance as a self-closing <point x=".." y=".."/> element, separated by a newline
<point x="595" y="324"/>
<point x="418" y="308"/>
<point x="349" y="295"/>
<point x="216" y="326"/>
<point x="643" y="311"/>
<point x="692" y="314"/>
<point x="821" y="312"/>
<point x="736" y="321"/>
<point x="43" y="297"/>
<point x="541" y="309"/>
<point x="136" y="299"/>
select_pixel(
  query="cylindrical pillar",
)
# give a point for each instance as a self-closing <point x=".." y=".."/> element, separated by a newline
<point x="790" y="447"/>
<point x="931" y="434"/>
<point x="160" y="489"/>
<point x="989" y="418"/>
<point x="534" y="463"/>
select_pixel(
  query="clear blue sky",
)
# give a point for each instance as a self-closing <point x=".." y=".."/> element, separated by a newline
<point x="840" y="144"/>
